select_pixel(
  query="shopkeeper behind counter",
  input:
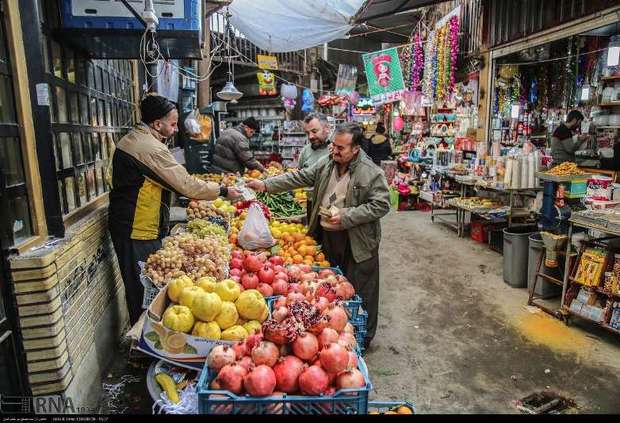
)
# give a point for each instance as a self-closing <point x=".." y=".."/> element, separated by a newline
<point x="565" y="140"/>
<point x="144" y="174"/>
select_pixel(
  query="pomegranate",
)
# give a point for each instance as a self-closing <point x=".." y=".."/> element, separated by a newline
<point x="279" y="268"/>
<point x="352" y="360"/>
<point x="279" y="333"/>
<point x="308" y="277"/>
<point x="236" y="263"/>
<point x="327" y="291"/>
<point x="347" y="340"/>
<point x="331" y="377"/>
<point x="280" y="302"/>
<point x="249" y="281"/>
<point x="337" y="318"/>
<point x="231" y="377"/>
<point x="294" y="287"/>
<point x="327" y="336"/>
<point x="238" y="280"/>
<point x="240" y="350"/>
<point x="294" y="297"/>
<point x="285" y="350"/>
<point x="294" y="272"/>
<point x="252" y="341"/>
<point x="332" y="281"/>
<point x="260" y="382"/>
<point x="318" y="327"/>
<point x="313" y="381"/>
<point x="334" y="358"/>
<point x="252" y="263"/>
<point x="324" y="273"/>
<point x="280" y="287"/>
<point x="266" y="275"/>
<point x="235" y="272"/>
<point x="265" y="290"/>
<point x="279" y="314"/>
<point x="236" y="254"/>
<point x="305" y="346"/>
<point x="341" y="279"/>
<point x="345" y="290"/>
<point x="276" y="261"/>
<point x="322" y="304"/>
<point x="281" y="276"/>
<point x="348" y="328"/>
<point x="266" y="353"/>
<point x="305" y="268"/>
<point x="352" y="379"/>
<point x="246" y="362"/>
<point x="215" y="385"/>
<point x="287" y="371"/>
<point x="220" y="356"/>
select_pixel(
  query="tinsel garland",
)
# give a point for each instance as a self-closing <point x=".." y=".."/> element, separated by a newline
<point x="405" y="60"/>
<point x="454" y="49"/>
<point x="447" y="65"/>
<point x="418" y="63"/>
<point x="429" y="57"/>
<point x="441" y="65"/>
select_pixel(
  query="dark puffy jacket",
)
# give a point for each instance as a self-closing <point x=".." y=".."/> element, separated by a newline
<point x="232" y="153"/>
<point x="379" y="148"/>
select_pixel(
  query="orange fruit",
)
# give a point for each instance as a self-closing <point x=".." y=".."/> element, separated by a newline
<point x="298" y="236"/>
<point x="309" y="262"/>
<point x="311" y="250"/>
<point x="325" y="263"/>
<point x="288" y="260"/>
<point x="297" y="259"/>
<point x="288" y="238"/>
<point x="306" y="258"/>
<point x="320" y="257"/>
<point x="403" y="409"/>
<point x="302" y="250"/>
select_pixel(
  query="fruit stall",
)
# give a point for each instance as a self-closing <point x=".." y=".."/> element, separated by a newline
<point x="244" y="315"/>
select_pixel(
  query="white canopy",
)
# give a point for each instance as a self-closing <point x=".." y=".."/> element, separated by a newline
<point x="288" y="25"/>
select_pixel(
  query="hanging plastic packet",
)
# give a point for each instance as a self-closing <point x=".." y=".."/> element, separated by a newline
<point x="255" y="232"/>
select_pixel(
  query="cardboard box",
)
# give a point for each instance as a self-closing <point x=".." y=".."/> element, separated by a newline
<point x="178" y="348"/>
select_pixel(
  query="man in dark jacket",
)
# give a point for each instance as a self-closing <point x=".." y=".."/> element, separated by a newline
<point x="232" y="150"/>
<point x="379" y="147"/>
<point x="350" y="236"/>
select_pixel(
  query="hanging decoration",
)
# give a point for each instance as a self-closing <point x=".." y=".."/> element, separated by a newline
<point x="266" y="83"/>
<point x="454" y="48"/>
<point x="288" y="91"/>
<point x="405" y="56"/>
<point x="429" y="54"/>
<point x="418" y="63"/>
<point x="398" y="124"/>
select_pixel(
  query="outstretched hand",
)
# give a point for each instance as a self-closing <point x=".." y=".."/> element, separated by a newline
<point x="256" y="185"/>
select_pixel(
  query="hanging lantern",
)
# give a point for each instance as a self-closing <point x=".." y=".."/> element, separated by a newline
<point x="398" y="124"/>
<point x="288" y="91"/>
<point x="229" y="92"/>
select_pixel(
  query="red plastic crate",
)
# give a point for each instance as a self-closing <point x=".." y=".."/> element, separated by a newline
<point x="479" y="232"/>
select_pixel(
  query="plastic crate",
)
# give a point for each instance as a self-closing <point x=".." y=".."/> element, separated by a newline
<point x="344" y="401"/>
<point x="383" y="406"/>
<point x="361" y="329"/>
<point x="479" y="231"/>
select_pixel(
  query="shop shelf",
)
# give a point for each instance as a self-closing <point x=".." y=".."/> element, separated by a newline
<point x="344" y="401"/>
<point x="383" y="406"/>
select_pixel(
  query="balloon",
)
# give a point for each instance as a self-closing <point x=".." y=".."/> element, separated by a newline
<point x="307" y="99"/>
<point x="398" y="123"/>
<point x="354" y="98"/>
<point x="289" y="91"/>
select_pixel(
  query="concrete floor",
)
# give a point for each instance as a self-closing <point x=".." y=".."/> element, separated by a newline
<point x="453" y="337"/>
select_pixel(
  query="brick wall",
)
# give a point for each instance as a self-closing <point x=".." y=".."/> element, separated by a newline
<point x="62" y="293"/>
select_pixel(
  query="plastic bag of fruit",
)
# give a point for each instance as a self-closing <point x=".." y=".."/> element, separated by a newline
<point x="255" y="232"/>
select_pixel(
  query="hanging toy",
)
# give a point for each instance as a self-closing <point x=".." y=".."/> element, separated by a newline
<point x="266" y="83"/>
<point x="288" y="91"/>
<point x="307" y="99"/>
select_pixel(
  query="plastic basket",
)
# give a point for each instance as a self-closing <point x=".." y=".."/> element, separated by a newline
<point x="344" y="401"/>
<point x="383" y="406"/>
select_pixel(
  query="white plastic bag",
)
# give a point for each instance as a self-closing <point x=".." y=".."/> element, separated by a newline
<point x="255" y="233"/>
<point x="191" y="124"/>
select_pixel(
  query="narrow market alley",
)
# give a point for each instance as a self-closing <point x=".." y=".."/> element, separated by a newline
<point x="454" y="338"/>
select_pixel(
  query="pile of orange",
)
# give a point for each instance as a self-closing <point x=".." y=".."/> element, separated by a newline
<point x="296" y="246"/>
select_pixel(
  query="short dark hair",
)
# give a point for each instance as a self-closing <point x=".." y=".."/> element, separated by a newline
<point x="574" y="114"/>
<point x="154" y="107"/>
<point x="380" y="128"/>
<point x="252" y="123"/>
<point x="316" y="115"/>
<point x="353" y="129"/>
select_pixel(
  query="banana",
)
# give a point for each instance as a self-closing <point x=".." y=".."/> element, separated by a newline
<point x="168" y="385"/>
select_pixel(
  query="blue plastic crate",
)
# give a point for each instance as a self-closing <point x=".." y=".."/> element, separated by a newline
<point x="383" y="406"/>
<point x="353" y="307"/>
<point x="361" y="328"/>
<point x="344" y="401"/>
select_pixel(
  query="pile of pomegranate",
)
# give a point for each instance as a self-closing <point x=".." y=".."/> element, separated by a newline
<point x="302" y="350"/>
<point x="270" y="277"/>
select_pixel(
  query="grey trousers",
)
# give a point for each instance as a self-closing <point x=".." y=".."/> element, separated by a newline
<point x="364" y="276"/>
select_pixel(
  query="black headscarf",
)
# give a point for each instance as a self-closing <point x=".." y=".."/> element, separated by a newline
<point x="155" y="107"/>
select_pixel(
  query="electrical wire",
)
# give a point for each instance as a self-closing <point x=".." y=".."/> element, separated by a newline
<point x="553" y="59"/>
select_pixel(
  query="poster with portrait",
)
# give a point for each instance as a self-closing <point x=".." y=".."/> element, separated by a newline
<point x="384" y="75"/>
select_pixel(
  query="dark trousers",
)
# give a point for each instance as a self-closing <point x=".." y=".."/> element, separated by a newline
<point x="129" y="252"/>
<point x="364" y="276"/>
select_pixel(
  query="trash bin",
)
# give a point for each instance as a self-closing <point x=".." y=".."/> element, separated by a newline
<point x="544" y="289"/>
<point x="516" y="244"/>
